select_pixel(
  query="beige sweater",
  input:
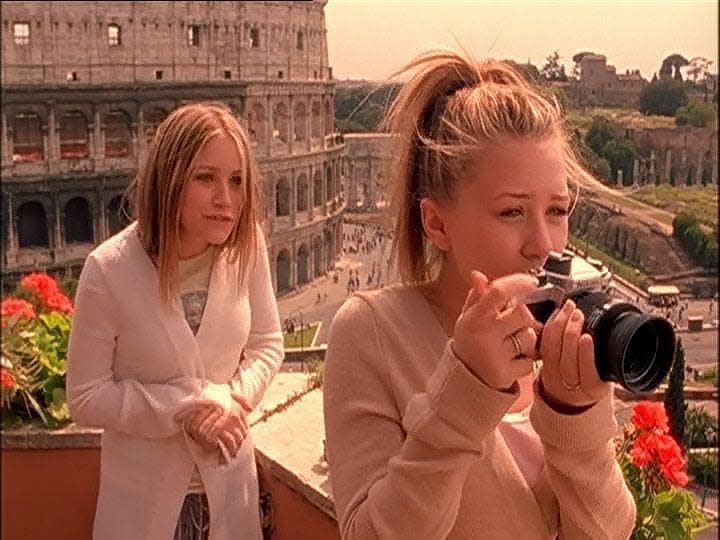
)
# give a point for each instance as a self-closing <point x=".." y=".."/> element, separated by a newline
<point x="415" y="453"/>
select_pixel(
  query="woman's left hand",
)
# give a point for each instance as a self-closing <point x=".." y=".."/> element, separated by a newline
<point x="568" y="377"/>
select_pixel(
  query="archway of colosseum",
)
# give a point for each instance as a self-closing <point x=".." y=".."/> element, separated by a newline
<point x="78" y="221"/>
<point x="282" y="271"/>
<point x="303" y="276"/>
<point x="27" y="138"/>
<point x="282" y="198"/>
<point x="119" y="214"/>
<point x="32" y="225"/>
<point x="317" y="257"/>
<point x="118" y="134"/>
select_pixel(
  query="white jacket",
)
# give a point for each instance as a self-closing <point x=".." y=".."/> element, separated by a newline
<point x="134" y="361"/>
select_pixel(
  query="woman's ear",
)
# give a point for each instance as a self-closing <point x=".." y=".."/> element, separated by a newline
<point x="433" y="222"/>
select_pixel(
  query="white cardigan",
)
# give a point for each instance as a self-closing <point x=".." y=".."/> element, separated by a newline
<point x="134" y="361"/>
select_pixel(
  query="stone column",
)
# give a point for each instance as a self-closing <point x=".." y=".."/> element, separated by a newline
<point x="323" y="187"/>
<point x="311" y="192"/>
<point x="12" y="244"/>
<point x="142" y="142"/>
<point x="714" y="161"/>
<point x="371" y="184"/>
<point x="636" y="172"/>
<point x="352" y="189"/>
<point x="103" y="227"/>
<point x="293" y="197"/>
<point x="683" y="168"/>
<point x="668" y="164"/>
<point x="290" y="125"/>
<point x="699" y="169"/>
<point x="7" y="150"/>
<point x="51" y="149"/>
<point x="99" y="136"/>
<point x="620" y="177"/>
<point x="652" y="165"/>
<point x="57" y="236"/>
<point x="268" y="126"/>
<point x="293" y="264"/>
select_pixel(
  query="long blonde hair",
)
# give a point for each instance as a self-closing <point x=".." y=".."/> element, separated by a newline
<point x="159" y="186"/>
<point x="442" y="117"/>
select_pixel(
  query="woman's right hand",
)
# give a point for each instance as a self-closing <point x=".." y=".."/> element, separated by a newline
<point x="492" y="314"/>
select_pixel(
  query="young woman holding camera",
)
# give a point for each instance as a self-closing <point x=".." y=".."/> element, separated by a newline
<point x="437" y="425"/>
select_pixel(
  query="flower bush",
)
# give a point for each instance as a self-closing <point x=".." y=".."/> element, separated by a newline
<point x="654" y="468"/>
<point x="35" y="329"/>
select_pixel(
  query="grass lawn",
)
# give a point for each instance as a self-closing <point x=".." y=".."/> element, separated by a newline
<point x="699" y="200"/>
<point x="617" y="266"/>
<point x="304" y="338"/>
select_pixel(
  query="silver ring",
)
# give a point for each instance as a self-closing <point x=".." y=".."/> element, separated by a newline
<point x="516" y="343"/>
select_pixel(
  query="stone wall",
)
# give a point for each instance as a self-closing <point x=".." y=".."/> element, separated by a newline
<point x="367" y="159"/>
<point x="185" y="41"/>
<point x="651" y="251"/>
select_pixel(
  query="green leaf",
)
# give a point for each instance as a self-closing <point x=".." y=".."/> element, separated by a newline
<point x="58" y="407"/>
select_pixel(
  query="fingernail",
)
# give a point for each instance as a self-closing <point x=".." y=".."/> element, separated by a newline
<point x="577" y="315"/>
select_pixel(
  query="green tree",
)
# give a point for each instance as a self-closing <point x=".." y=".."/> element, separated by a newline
<point x="599" y="134"/>
<point x="675" y="396"/>
<point x="621" y="155"/>
<point x="553" y="70"/>
<point x="530" y="71"/>
<point x="663" y="97"/>
<point x="694" y="114"/>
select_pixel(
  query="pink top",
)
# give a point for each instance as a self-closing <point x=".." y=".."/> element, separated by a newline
<point x="524" y="444"/>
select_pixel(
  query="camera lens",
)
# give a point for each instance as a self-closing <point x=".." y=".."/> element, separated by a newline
<point x="640" y="350"/>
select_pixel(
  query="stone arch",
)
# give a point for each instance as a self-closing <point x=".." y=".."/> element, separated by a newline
<point x="119" y="214"/>
<point x="317" y="257"/>
<point x="302" y="193"/>
<point x="317" y="188"/>
<point x="280" y="122"/>
<point x="27" y="137"/>
<point x="327" y="246"/>
<point x="300" y="122"/>
<point x="151" y="120"/>
<point x="118" y="135"/>
<point x="282" y="197"/>
<point x="282" y="271"/>
<point x="78" y="221"/>
<point x="303" y="276"/>
<point x="32" y="225"/>
<point x="329" y="184"/>
<point x="73" y="133"/>
<point x="256" y="123"/>
<point x="316" y="121"/>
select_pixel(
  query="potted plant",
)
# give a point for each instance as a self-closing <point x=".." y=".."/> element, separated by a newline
<point x="35" y="328"/>
<point x="654" y="468"/>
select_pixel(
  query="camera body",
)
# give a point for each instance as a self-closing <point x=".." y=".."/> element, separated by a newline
<point x="632" y="348"/>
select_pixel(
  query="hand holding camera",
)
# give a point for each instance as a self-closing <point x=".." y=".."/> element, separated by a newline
<point x="568" y="375"/>
<point x="494" y="334"/>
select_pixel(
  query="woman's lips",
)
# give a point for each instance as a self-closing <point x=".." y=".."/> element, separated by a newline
<point x="220" y="219"/>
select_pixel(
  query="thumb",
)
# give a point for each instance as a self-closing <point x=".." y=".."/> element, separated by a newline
<point x="479" y="285"/>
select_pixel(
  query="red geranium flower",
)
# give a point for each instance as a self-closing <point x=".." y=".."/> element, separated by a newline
<point x="6" y="378"/>
<point x="59" y="302"/>
<point x="14" y="306"/>
<point x="650" y="415"/>
<point x="643" y="448"/>
<point x="40" y="282"/>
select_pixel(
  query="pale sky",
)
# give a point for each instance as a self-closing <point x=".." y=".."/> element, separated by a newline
<point x="370" y="39"/>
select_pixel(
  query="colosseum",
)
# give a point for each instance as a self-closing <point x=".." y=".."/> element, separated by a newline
<point x="84" y="85"/>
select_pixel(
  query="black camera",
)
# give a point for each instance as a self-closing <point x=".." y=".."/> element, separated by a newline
<point x="632" y="348"/>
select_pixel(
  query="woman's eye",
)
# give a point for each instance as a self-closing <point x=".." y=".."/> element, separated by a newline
<point x="236" y="180"/>
<point x="559" y="211"/>
<point x="204" y="177"/>
<point x="511" y="212"/>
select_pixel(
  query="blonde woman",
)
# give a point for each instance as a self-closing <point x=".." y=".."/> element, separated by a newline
<point x="436" y="425"/>
<point x="176" y="337"/>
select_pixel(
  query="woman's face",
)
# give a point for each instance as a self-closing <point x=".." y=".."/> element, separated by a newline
<point x="510" y="211"/>
<point x="213" y="197"/>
